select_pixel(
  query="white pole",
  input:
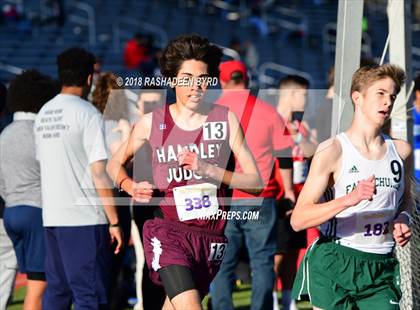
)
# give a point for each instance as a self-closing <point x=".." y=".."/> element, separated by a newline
<point x="347" y="61"/>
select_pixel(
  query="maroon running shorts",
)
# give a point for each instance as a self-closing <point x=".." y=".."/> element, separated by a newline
<point x="169" y="243"/>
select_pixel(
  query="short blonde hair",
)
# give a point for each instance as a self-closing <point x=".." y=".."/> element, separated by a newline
<point x="366" y="75"/>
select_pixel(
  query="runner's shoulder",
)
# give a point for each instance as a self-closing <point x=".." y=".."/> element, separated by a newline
<point x="328" y="154"/>
<point x="403" y="148"/>
<point x="232" y="118"/>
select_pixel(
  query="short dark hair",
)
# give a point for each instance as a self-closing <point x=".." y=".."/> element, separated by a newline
<point x="237" y="77"/>
<point x="74" y="66"/>
<point x="417" y="83"/>
<point x="293" y="80"/>
<point x="29" y="91"/>
<point x="189" y="47"/>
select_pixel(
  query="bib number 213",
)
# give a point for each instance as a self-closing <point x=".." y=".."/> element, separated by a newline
<point x="217" y="251"/>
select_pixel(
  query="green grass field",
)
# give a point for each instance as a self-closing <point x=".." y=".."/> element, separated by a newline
<point x="241" y="299"/>
<point x="18" y="296"/>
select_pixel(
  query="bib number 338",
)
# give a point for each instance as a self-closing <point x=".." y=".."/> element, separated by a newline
<point x="196" y="201"/>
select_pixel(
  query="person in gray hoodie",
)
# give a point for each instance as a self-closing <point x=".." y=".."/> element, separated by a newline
<point x="20" y="182"/>
<point x="8" y="263"/>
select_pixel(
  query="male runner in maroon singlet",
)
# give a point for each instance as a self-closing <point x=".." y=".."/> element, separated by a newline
<point x="191" y="143"/>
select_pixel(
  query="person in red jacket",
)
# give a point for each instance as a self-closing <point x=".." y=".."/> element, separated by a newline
<point x="265" y="134"/>
<point x="136" y="52"/>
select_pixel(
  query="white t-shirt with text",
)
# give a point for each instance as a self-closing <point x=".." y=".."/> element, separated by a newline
<point x="69" y="136"/>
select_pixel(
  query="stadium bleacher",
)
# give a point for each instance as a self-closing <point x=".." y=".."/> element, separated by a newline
<point x="304" y="53"/>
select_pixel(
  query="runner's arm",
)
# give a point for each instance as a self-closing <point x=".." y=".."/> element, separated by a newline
<point x="125" y="153"/>
<point x="283" y="144"/>
<point x="287" y="178"/>
<point x="402" y="231"/>
<point x="308" y="211"/>
<point x="124" y="128"/>
<point x="308" y="144"/>
<point x="405" y="152"/>
<point x="249" y="181"/>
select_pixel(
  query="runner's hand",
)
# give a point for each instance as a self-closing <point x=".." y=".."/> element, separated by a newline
<point x="402" y="232"/>
<point x="142" y="192"/>
<point x="116" y="236"/>
<point x="364" y="191"/>
<point x="189" y="160"/>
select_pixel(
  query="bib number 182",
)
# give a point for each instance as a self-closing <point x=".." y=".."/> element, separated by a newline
<point x="376" y="229"/>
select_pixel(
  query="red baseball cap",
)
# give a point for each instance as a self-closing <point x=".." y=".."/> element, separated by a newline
<point x="228" y="67"/>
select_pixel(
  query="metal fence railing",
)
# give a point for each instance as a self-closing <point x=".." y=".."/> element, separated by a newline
<point x="265" y="79"/>
<point x="88" y="20"/>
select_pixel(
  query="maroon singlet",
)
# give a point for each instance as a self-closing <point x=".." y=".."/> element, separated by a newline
<point x="211" y="142"/>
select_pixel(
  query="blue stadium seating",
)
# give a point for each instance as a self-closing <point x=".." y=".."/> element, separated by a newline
<point x="306" y="54"/>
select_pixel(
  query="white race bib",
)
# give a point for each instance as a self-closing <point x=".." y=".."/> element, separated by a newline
<point x="300" y="171"/>
<point x="374" y="227"/>
<point x="214" y="131"/>
<point x="196" y="201"/>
